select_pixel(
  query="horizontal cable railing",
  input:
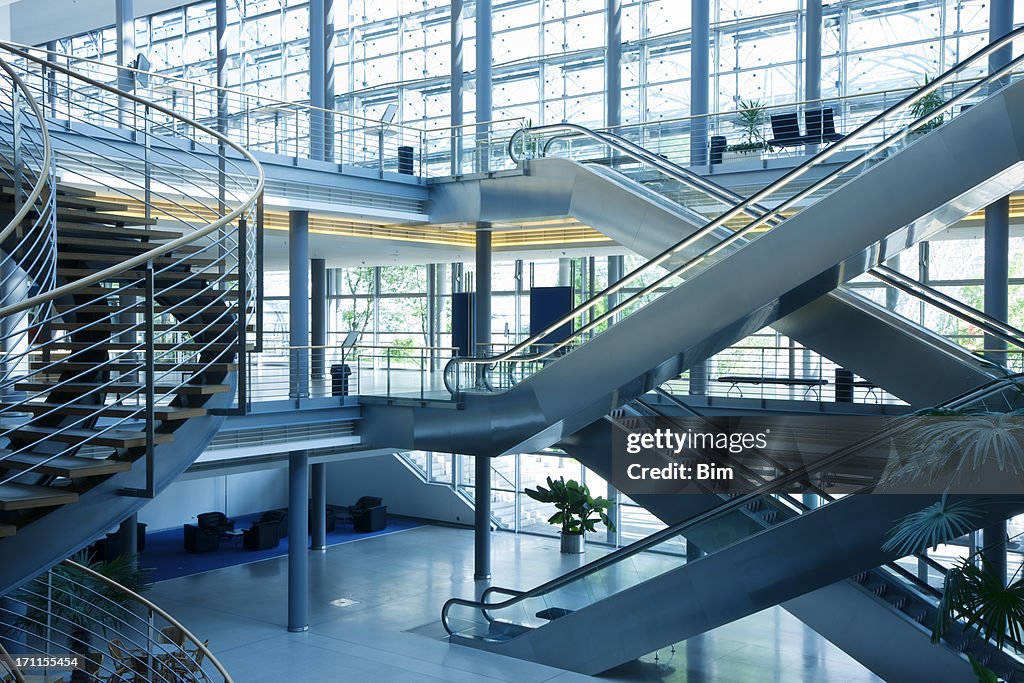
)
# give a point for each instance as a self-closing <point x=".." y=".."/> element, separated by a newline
<point x="73" y="619"/>
<point x="156" y="280"/>
<point x="785" y="194"/>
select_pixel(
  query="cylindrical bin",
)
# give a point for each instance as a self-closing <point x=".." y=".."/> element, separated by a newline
<point x="406" y="156"/>
<point x="339" y="379"/>
<point x="844" y="386"/>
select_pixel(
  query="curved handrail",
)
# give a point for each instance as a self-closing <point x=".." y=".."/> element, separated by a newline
<point x="769" y="487"/>
<point x="8" y="662"/>
<point x="243" y="208"/>
<point x="520" y="352"/>
<point x="153" y="607"/>
<point x="46" y="162"/>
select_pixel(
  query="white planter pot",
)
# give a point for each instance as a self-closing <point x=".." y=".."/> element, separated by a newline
<point x="573" y="544"/>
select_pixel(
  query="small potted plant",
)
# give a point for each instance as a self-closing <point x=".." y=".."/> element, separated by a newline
<point x="751" y="117"/>
<point x="578" y="511"/>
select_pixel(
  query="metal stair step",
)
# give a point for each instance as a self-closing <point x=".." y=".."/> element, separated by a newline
<point x="114" y="438"/>
<point x="14" y="496"/>
<point x="68" y="466"/>
<point x="876" y="587"/>
<point x="162" y="413"/>
<point x="124" y="387"/>
<point x="160" y="346"/>
<point x="137" y="327"/>
<point x="916" y="612"/>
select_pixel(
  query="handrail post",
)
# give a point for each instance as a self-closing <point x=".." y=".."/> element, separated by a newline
<point x="148" y="160"/>
<point x="241" y="314"/>
<point x="16" y="116"/>
<point x="149" y="373"/>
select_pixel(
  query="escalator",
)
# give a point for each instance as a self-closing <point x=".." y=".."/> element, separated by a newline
<point x="735" y="276"/>
<point x="647" y="596"/>
<point x="842" y="326"/>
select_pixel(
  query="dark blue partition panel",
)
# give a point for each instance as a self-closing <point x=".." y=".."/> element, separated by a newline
<point x="548" y="305"/>
<point x="462" y="322"/>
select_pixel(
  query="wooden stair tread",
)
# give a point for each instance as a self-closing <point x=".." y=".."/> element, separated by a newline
<point x="7" y="530"/>
<point x="114" y="438"/>
<point x="161" y="412"/>
<point x="161" y="327"/>
<point x="71" y="201"/>
<point x="123" y="245"/>
<point x="14" y="496"/>
<point x="118" y="258"/>
<point x="63" y="465"/>
<point x="124" y="387"/>
<point x="160" y="275"/>
<point x="76" y="216"/>
<point x="140" y="233"/>
<point x="127" y="366"/>
<point x="159" y="346"/>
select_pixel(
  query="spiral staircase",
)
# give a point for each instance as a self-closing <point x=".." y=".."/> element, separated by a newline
<point x="127" y="297"/>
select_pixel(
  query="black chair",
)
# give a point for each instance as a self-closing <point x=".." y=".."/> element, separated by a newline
<point x="369" y="514"/>
<point x="201" y="539"/>
<point x="828" y="126"/>
<point x="786" y="129"/>
<point x="280" y="517"/>
<point x="261" y="536"/>
<point x="216" y="521"/>
<point x="820" y="125"/>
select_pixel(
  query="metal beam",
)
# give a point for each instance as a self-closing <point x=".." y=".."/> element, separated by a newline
<point x="298" y="304"/>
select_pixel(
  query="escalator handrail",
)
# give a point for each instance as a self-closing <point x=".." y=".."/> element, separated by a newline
<point x="817" y="491"/>
<point x="919" y="290"/>
<point x="914" y="288"/>
<point x="791" y="175"/>
<point x="675" y="530"/>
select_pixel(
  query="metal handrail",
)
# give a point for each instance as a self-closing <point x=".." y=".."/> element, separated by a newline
<point x="156" y="252"/>
<point x="153" y="607"/>
<point x="787" y="178"/>
<point x="769" y="487"/>
<point x="8" y="662"/>
<point x="46" y="162"/>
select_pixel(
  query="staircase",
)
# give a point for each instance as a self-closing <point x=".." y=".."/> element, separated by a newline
<point x="125" y="350"/>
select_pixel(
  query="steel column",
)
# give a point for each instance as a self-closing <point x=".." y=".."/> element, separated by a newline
<point x="298" y="304"/>
<point x="318" y="316"/>
<point x="457" y="72"/>
<point x="484" y="38"/>
<point x="298" y="532"/>
<point x="700" y="47"/>
<point x="318" y="487"/>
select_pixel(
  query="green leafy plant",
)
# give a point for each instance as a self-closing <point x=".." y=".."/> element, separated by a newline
<point x="927" y="105"/>
<point x="578" y="511"/>
<point x="751" y="117"/>
<point x="937" y="523"/>
<point x="78" y="604"/>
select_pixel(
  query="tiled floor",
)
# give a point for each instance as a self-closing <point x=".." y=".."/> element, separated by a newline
<point x="398" y="583"/>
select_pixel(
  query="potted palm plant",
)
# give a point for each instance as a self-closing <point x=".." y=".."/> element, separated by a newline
<point x="578" y="511"/>
<point x="751" y="117"/>
<point x="926" y="105"/>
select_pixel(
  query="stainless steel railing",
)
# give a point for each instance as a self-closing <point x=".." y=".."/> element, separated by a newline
<point x="155" y="307"/>
<point x="78" y="618"/>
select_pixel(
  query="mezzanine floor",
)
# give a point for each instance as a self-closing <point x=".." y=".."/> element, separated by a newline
<point x="390" y="632"/>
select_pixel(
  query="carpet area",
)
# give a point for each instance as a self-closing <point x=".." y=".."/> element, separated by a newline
<point x="165" y="552"/>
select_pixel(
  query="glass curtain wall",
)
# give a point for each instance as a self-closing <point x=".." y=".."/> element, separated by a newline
<point x="549" y="54"/>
